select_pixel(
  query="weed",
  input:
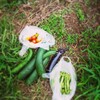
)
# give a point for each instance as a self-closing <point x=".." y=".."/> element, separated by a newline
<point x="54" y="25"/>
<point x="9" y="4"/>
<point x="9" y="48"/>
<point x="87" y="2"/>
<point x="89" y="83"/>
<point x="72" y="38"/>
<point x="79" y="12"/>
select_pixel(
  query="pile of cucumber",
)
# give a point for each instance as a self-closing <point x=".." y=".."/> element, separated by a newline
<point x="33" y="67"/>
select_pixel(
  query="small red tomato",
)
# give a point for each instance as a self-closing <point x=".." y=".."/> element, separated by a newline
<point x="34" y="37"/>
<point x="34" y="41"/>
<point x="30" y="39"/>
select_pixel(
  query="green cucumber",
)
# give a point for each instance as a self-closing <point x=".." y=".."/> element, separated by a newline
<point x="27" y="69"/>
<point x="39" y="61"/>
<point x="45" y="62"/>
<point x="49" y="53"/>
<point x="21" y="65"/>
<point x="30" y="67"/>
<point x="34" y="76"/>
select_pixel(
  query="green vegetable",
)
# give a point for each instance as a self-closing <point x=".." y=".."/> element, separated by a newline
<point x="34" y="76"/>
<point x="30" y="67"/>
<point x="49" y="53"/>
<point x="21" y="65"/>
<point x="65" y="82"/>
<point x="27" y="69"/>
<point x="42" y="61"/>
<point x="45" y="61"/>
<point x="39" y="62"/>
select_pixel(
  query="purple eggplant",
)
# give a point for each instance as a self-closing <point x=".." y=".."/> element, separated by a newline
<point x="55" y="59"/>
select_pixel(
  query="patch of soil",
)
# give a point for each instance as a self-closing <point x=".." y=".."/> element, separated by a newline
<point x="92" y="18"/>
<point x="0" y="14"/>
<point x="34" y="15"/>
<point x="92" y="14"/>
<point x="25" y="90"/>
<point x="40" y="90"/>
<point x="72" y="23"/>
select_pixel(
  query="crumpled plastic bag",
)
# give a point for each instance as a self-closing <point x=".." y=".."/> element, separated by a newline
<point x="28" y="31"/>
<point x="54" y="76"/>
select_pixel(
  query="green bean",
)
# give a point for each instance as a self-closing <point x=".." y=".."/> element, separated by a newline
<point x="65" y="82"/>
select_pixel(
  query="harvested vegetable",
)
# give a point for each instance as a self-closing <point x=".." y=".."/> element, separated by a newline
<point x="49" y="53"/>
<point x="34" y="75"/>
<point x="55" y="59"/>
<point x="30" y="67"/>
<point x="65" y="80"/>
<point x="21" y="65"/>
<point x="39" y="61"/>
<point x="35" y="38"/>
<point x="27" y="69"/>
<point x="46" y="61"/>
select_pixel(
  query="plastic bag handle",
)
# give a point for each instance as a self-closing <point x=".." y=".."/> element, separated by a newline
<point x="46" y="75"/>
<point x="66" y="57"/>
<point x="23" y="50"/>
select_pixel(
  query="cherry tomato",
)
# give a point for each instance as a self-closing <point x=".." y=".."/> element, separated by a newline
<point x="30" y="39"/>
<point x="34" y="41"/>
<point x="34" y="37"/>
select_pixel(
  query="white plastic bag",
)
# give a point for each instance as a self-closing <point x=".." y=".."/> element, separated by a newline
<point x="28" y="31"/>
<point x="54" y="76"/>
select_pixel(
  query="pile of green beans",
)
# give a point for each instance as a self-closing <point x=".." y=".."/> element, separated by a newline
<point x="65" y="80"/>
